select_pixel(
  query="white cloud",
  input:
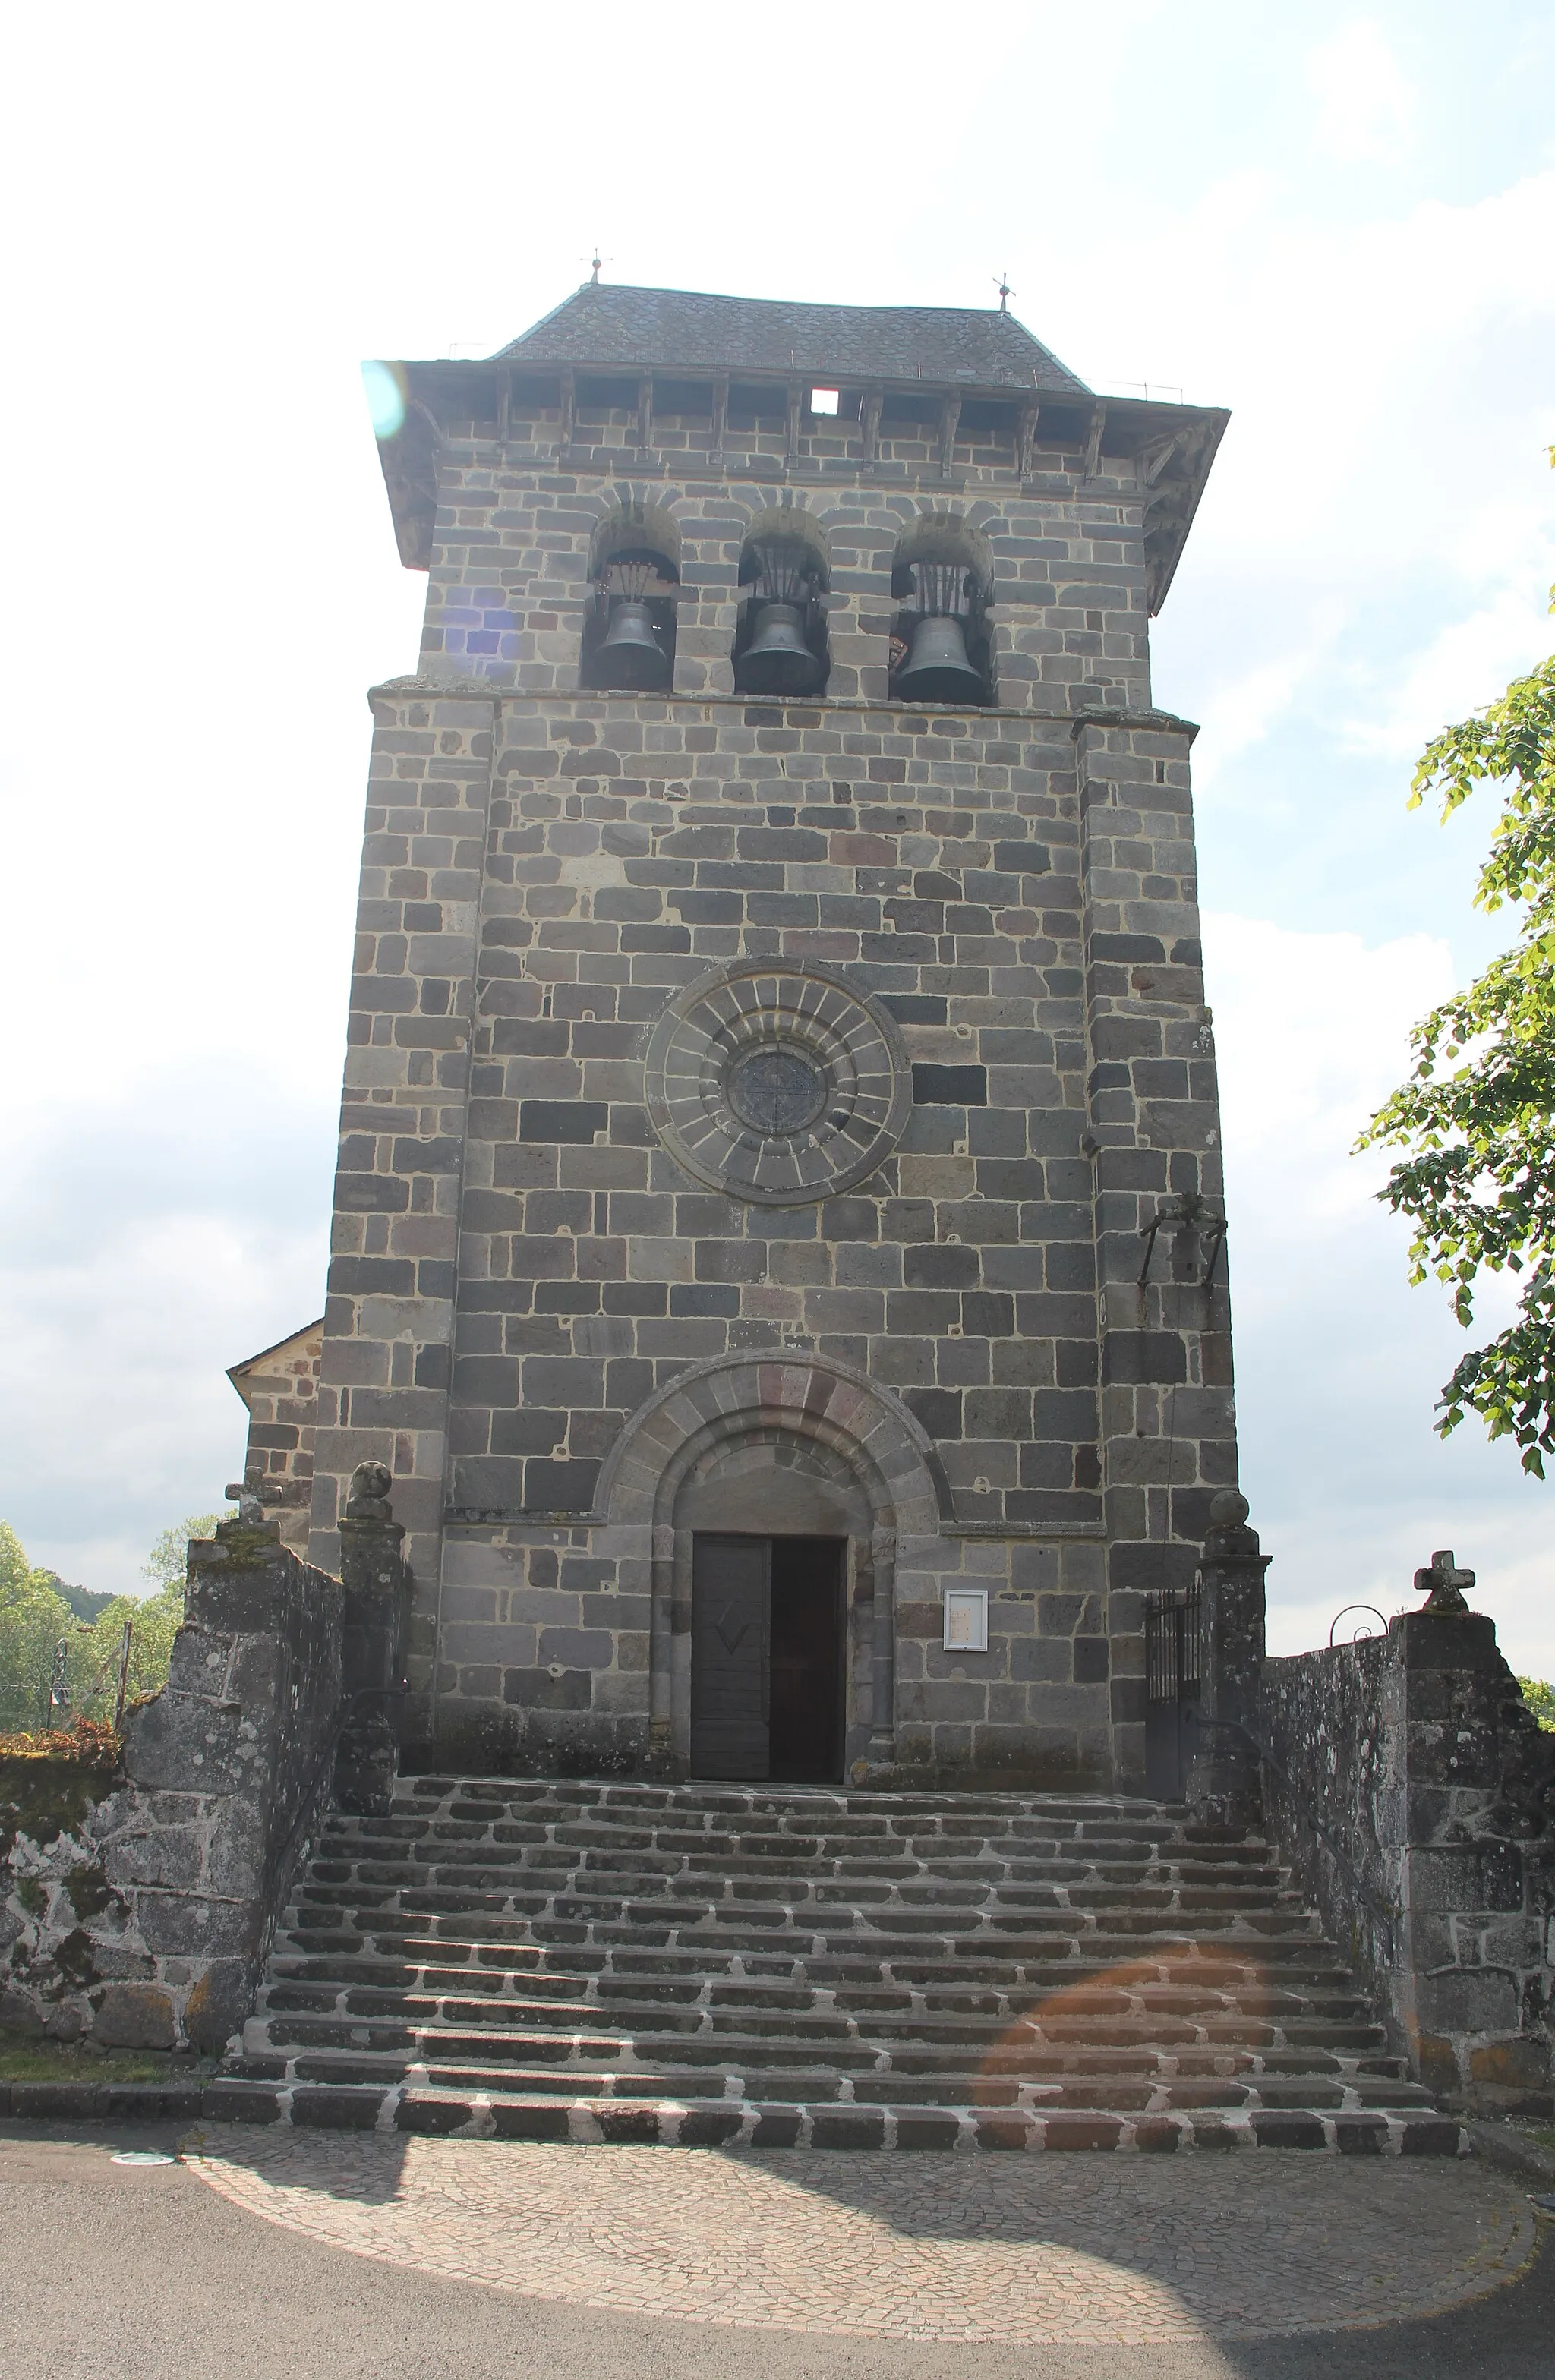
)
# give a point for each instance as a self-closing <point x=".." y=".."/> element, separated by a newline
<point x="1312" y="1032"/>
<point x="1366" y="104"/>
<point x="1463" y="666"/>
<point x="148" y="1241"/>
<point x="1339" y="1360"/>
<point x="1242" y="710"/>
<point x="203" y="581"/>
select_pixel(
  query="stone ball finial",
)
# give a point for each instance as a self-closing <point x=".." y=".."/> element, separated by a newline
<point x="1228" y="1537"/>
<point x="368" y="1498"/>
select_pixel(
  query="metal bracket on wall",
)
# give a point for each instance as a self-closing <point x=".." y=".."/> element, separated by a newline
<point x="1181" y="1214"/>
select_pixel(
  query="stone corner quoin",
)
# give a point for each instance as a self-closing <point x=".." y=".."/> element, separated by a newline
<point x="587" y="1311"/>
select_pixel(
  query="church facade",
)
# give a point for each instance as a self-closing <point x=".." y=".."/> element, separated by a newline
<point x="778" y="1231"/>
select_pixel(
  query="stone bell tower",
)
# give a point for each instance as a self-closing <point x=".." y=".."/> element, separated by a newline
<point x="777" y="1234"/>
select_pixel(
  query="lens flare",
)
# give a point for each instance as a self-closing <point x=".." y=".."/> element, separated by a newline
<point x="385" y="399"/>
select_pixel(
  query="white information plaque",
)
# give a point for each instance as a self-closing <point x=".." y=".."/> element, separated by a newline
<point x="966" y="1620"/>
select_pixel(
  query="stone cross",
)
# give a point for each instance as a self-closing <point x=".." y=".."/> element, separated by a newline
<point x="1442" y="1585"/>
<point x="244" y="1493"/>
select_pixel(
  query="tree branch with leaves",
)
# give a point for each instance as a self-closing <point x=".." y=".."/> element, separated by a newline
<point x="1477" y="1112"/>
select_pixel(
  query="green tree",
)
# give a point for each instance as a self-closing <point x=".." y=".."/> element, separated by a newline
<point x="1539" y="1695"/>
<point x="32" y="1620"/>
<point x="1477" y="1112"/>
<point x="15" y="1570"/>
<point x="167" y="1563"/>
<point x="34" y="1616"/>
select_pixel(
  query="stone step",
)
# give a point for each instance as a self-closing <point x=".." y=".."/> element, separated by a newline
<point x="1055" y="1964"/>
<point x="1136" y="2048"/>
<point x="687" y="2122"/>
<point x="797" y="2071"/>
<point x="749" y="2013"/>
<point x="847" y="1804"/>
<point x="303" y="1983"/>
<point x="555" y="1863"/>
<point x="330" y="1882"/>
<point x="933" y="1909"/>
<point x="929" y="2048"/>
<point x="760" y="1964"/>
<point x="977" y="1860"/>
<point x="1009" y="1943"/>
<point x="1036" y="1831"/>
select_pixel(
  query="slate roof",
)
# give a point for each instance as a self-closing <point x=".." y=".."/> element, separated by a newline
<point x="607" y="323"/>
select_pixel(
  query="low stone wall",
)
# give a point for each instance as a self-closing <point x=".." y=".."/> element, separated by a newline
<point x="135" y="1908"/>
<point x="1437" y="1790"/>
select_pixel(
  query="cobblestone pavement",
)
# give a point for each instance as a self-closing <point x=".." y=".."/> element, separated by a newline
<point x="1076" y="2249"/>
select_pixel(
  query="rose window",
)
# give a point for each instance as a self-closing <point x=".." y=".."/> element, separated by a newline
<point x="777" y="1081"/>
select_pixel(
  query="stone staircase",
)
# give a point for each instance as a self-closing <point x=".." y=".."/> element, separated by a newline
<point x="799" y="1966"/>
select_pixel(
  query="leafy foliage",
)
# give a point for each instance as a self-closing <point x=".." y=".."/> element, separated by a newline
<point x="1539" y="1695"/>
<point x="34" y="1616"/>
<point x="32" y="1620"/>
<point x="1477" y="1112"/>
<point x="166" y="1564"/>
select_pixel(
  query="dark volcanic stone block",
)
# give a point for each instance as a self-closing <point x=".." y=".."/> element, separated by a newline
<point x="1083" y="2132"/>
<point x="238" y="2103"/>
<point x="419" y="2113"/>
<point x="345" y="2111"/>
<point x="639" y="2124"/>
<point x="562" y="1119"/>
<point x="958" y="1087"/>
<point x="844" y="2132"/>
<point x="518" y="2121"/>
<point x="1428" y="2138"/>
<point x="709" y="2127"/>
<point x="1002" y="2133"/>
<point x="1274" y="2130"/>
<point x="776" y="2128"/>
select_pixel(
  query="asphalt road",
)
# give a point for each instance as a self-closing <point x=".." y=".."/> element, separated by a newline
<point x="143" y="2272"/>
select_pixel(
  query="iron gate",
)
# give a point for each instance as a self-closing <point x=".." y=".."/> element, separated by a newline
<point x="1173" y="1667"/>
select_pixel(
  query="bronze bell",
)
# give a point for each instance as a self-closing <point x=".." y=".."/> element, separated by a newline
<point x="937" y="669"/>
<point x="777" y="660"/>
<point x="631" y="657"/>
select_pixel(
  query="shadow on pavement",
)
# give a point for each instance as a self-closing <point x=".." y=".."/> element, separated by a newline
<point x="149" y="2266"/>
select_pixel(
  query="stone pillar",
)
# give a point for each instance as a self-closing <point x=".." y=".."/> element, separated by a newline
<point x="386" y="1365"/>
<point x="1167" y="1427"/>
<point x="1223" y="1773"/>
<point x="376" y="1583"/>
<point x="1472" y="1811"/>
<point x="1414" y="1799"/>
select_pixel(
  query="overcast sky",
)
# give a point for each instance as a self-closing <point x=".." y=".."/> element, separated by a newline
<point x="1339" y="224"/>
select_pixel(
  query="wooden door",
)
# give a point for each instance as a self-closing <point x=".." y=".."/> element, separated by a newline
<point x="731" y="1633"/>
<point x="805" y="1699"/>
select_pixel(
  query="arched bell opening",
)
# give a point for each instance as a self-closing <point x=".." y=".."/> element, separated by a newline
<point x="940" y="647"/>
<point x="780" y="644"/>
<point x="629" y="622"/>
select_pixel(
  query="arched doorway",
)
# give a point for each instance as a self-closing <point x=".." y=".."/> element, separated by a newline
<point x="795" y="1475"/>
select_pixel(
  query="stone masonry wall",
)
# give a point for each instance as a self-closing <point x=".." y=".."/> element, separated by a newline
<point x="633" y="845"/>
<point x="143" y="1919"/>
<point x="517" y="519"/>
<point x="280" y="1389"/>
<point x="545" y="868"/>
<point x="1417" y="1752"/>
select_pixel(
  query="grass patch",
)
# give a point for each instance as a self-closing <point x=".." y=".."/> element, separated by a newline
<point x="25" y="2057"/>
